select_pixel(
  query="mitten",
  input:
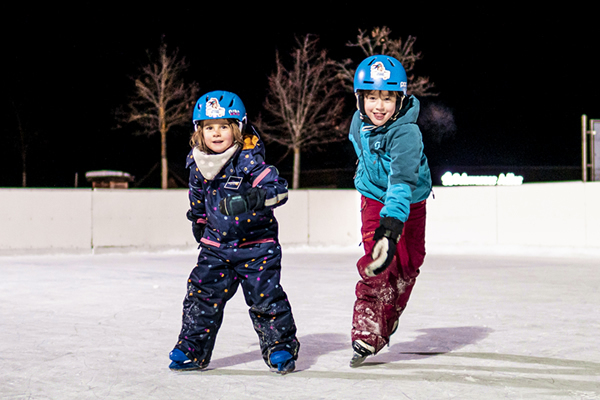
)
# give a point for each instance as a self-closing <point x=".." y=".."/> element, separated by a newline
<point x="253" y="199"/>
<point x="197" y="227"/>
<point x="198" y="230"/>
<point x="386" y="238"/>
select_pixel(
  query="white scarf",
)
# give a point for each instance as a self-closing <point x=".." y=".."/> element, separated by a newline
<point x="210" y="164"/>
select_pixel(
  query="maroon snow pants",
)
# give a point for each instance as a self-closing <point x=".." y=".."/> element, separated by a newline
<point x="380" y="300"/>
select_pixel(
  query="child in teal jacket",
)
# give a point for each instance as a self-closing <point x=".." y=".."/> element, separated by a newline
<point x="394" y="180"/>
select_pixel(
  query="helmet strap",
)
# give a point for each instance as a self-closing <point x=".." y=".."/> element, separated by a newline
<point x="360" y="104"/>
<point x="399" y="105"/>
<point x="242" y="124"/>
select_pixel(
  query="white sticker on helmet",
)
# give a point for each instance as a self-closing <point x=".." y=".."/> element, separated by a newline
<point x="378" y="71"/>
<point x="214" y="109"/>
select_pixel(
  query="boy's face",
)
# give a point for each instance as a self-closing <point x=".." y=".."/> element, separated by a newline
<point x="380" y="106"/>
<point x="218" y="135"/>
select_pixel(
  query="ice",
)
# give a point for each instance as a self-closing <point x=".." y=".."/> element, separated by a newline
<point x="477" y="327"/>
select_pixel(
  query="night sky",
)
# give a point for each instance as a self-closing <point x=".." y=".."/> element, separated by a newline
<point x="517" y="81"/>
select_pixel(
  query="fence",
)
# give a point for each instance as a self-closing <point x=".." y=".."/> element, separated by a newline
<point x="547" y="215"/>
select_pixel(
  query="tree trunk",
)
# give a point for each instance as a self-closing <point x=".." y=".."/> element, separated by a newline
<point x="24" y="166"/>
<point x="163" y="149"/>
<point x="296" y="172"/>
<point x="163" y="159"/>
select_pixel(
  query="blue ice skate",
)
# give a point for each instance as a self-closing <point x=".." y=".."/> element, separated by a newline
<point x="284" y="362"/>
<point x="180" y="362"/>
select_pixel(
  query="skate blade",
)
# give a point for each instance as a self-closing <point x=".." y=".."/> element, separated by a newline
<point x="357" y="360"/>
<point x="286" y="368"/>
<point x="186" y="367"/>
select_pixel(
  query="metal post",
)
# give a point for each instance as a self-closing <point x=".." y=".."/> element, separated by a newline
<point x="584" y="147"/>
<point x="594" y="151"/>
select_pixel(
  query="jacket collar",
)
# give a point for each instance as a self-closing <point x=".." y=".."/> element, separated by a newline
<point x="211" y="164"/>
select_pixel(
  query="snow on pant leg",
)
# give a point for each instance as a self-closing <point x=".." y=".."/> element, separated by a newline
<point x="270" y="309"/>
<point x="375" y="305"/>
<point x="210" y="285"/>
<point x="380" y="300"/>
<point x="411" y="253"/>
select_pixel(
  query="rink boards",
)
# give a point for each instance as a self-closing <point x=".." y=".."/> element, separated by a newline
<point x="549" y="215"/>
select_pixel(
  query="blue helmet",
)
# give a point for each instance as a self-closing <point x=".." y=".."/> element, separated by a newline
<point x="220" y="105"/>
<point x="380" y="73"/>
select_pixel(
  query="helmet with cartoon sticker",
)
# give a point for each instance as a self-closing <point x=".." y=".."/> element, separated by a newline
<point x="220" y="104"/>
<point x="380" y="72"/>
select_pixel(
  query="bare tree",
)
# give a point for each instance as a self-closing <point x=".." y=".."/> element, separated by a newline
<point x="304" y="104"/>
<point x="378" y="41"/>
<point x="162" y="99"/>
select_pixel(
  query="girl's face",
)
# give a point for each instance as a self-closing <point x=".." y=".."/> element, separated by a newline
<point x="380" y="106"/>
<point x="218" y="135"/>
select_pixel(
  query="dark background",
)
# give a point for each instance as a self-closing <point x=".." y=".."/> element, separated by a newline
<point x="516" y="80"/>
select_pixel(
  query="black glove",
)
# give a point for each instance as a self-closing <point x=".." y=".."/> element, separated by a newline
<point x="197" y="227"/>
<point x="254" y="199"/>
<point x="198" y="230"/>
<point x="386" y="238"/>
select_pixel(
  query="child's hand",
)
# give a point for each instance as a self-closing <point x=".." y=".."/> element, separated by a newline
<point x="254" y="199"/>
<point x="198" y="230"/>
<point x="386" y="238"/>
<point x="198" y="225"/>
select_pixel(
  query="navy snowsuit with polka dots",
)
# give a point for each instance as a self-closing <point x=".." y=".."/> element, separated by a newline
<point x="241" y="250"/>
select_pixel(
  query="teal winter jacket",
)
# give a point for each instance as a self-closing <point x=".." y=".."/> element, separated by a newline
<point x="392" y="167"/>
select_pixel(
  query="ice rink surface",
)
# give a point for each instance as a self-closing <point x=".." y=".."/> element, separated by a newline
<point x="477" y="327"/>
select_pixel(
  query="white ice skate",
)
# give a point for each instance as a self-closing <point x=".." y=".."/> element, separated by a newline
<point x="362" y="350"/>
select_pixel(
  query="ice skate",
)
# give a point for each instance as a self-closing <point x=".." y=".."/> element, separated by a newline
<point x="362" y="350"/>
<point x="283" y="361"/>
<point x="395" y="327"/>
<point x="180" y="362"/>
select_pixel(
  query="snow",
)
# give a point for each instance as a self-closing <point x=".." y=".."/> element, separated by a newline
<point x="478" y="326"/>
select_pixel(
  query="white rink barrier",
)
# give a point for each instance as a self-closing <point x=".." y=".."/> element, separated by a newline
<point x="542" y="215"/>
<point x="536" y="215"/>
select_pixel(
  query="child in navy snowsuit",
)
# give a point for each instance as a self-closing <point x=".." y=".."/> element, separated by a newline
<point x="232" y="196"/>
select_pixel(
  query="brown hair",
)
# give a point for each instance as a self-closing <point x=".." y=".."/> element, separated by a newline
<point x="197" y="139"/>
<point x="365" y="92"/>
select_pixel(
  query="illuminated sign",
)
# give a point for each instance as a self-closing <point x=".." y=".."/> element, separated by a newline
<point x="455" y="179"/>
